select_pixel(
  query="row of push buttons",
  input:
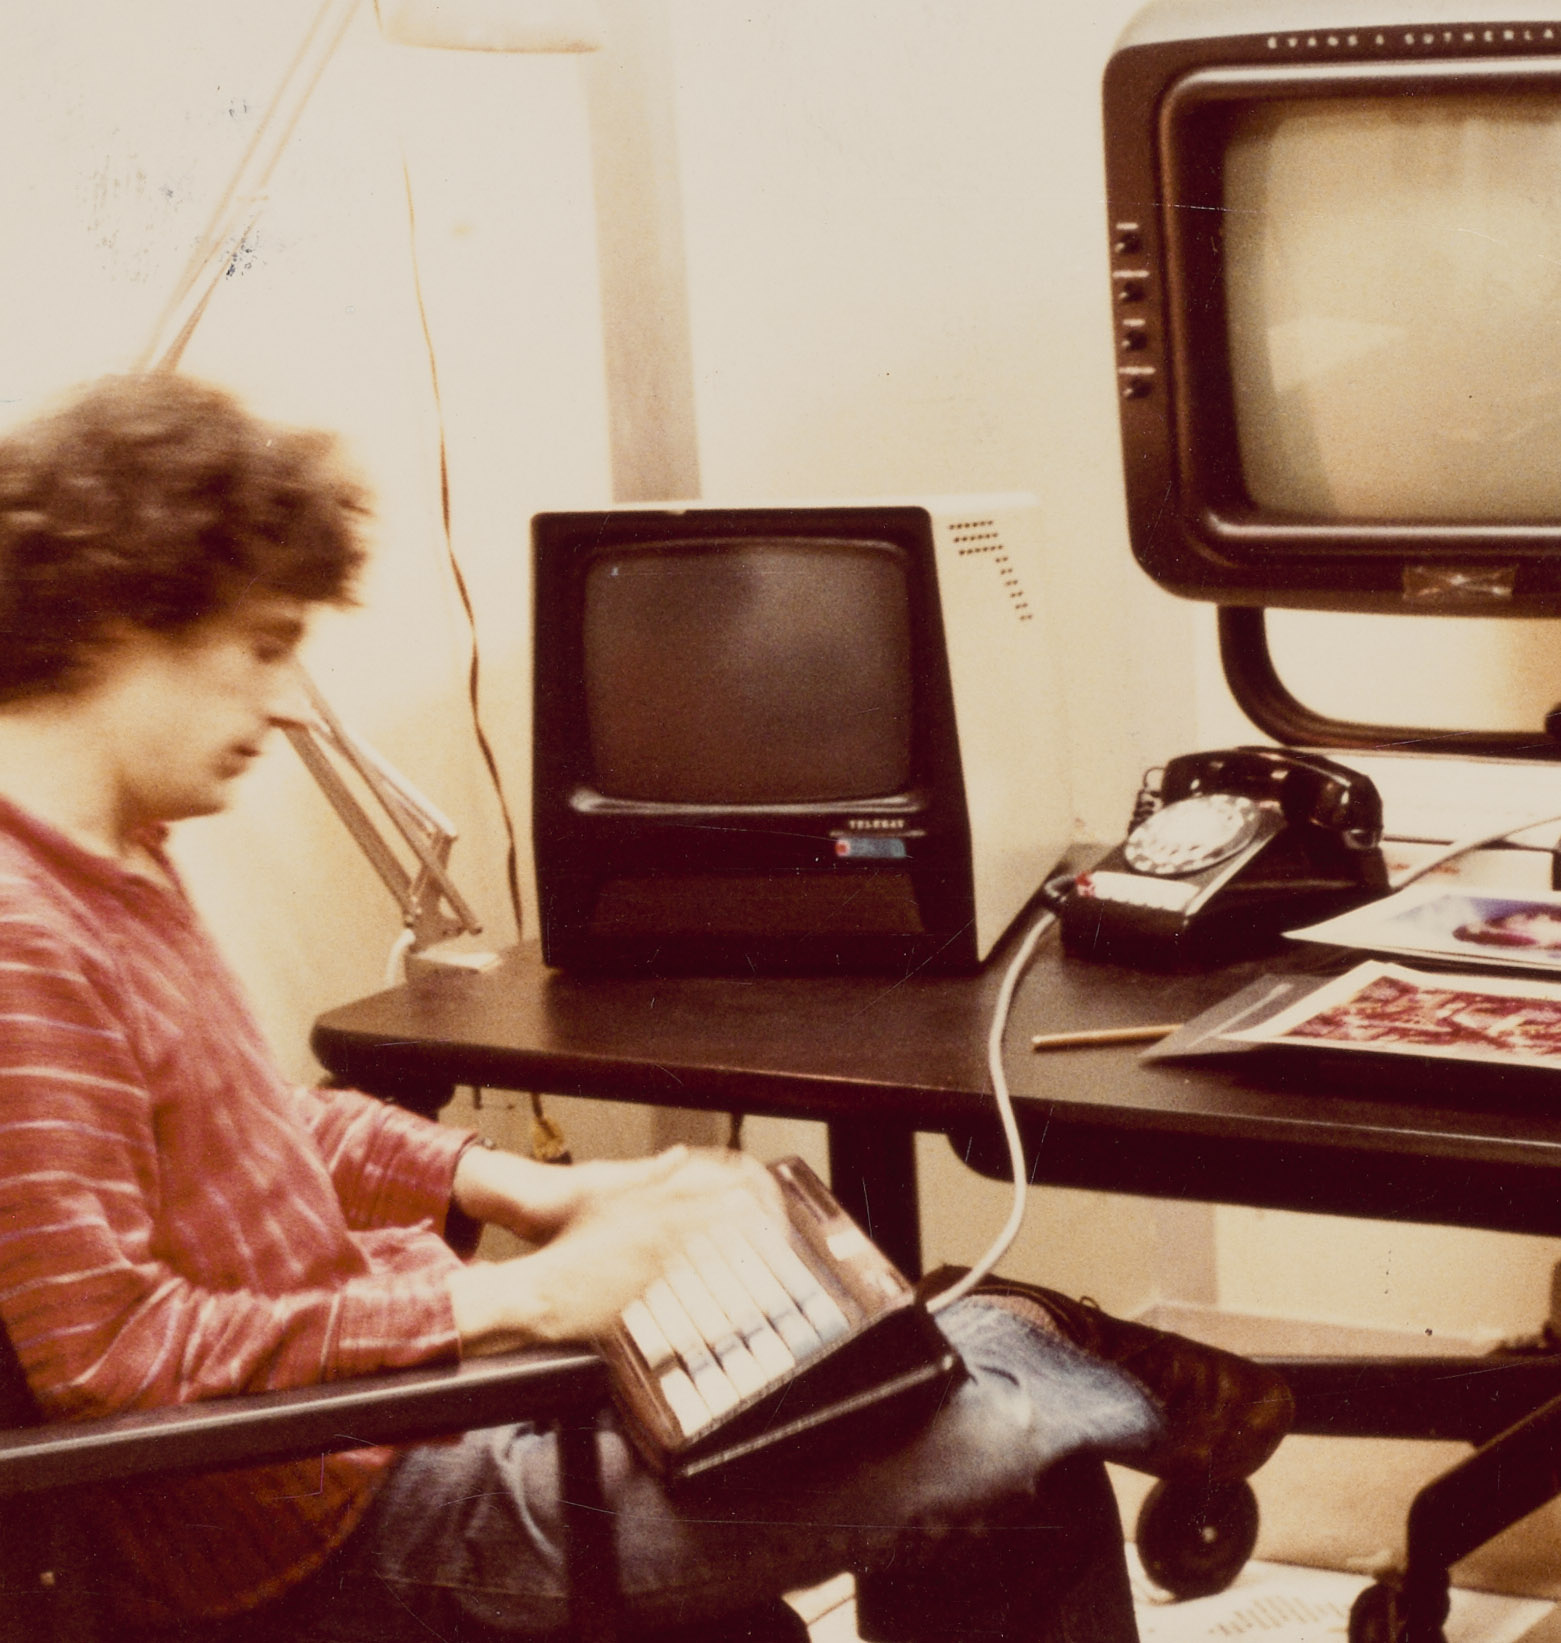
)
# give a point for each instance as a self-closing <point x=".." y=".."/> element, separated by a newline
<point x="729" y="1322"/>
<point x="1130" y="283"/>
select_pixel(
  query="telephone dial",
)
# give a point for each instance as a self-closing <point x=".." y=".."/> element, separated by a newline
<point x="1233" y="849"/>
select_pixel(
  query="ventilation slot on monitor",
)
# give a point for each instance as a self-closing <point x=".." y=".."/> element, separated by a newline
<point x="980" y="538"/>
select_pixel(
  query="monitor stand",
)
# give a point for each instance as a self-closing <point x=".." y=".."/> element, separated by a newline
<point x="1264" y="698"/>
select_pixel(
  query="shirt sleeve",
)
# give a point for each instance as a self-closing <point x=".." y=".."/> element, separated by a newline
<point x="390" y="1167"/>
<point x="105" y="1312"/>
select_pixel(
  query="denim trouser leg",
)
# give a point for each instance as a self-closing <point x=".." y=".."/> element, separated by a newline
<point x="971" y="1528"/>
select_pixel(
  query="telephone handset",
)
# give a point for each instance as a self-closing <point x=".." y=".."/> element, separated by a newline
<point x="1233" y="848"/>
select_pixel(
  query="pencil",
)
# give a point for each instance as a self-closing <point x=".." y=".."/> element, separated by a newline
<point x="1103" y="1035"/>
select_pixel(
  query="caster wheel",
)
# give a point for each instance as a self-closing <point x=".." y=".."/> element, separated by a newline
<point x="1380" y="1615"/>
<point x="1375" y="1616"/>
<point x="1193" y="1540"/>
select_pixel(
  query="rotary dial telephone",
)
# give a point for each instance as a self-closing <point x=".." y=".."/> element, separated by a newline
<point x="1233" y="849"/>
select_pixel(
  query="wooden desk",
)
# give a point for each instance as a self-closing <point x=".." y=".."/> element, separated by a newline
<point x="880" y="1059"/>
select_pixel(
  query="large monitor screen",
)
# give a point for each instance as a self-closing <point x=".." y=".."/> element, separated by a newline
<point x="749" y="672"/>
<point x="1393" y="291"/>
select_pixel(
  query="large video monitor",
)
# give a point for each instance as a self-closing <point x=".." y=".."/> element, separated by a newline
<point x="812" y="737"/>
<point x="1336" y="280"/>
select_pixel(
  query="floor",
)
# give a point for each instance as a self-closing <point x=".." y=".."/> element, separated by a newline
<point x="1286" y="1602"/>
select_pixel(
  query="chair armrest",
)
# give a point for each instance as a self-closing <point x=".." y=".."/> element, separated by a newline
<point x="401" y="1407"/>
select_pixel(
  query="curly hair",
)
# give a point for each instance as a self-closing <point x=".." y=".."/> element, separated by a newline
<point x="159" y="502"/>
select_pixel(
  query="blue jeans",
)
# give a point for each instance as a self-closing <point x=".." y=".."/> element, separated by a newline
<point x="978" y="1526"/>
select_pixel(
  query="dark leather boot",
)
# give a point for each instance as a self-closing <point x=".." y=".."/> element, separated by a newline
<point x="1224" y="1415"/>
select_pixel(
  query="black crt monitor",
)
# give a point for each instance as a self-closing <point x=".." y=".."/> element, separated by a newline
<point x="1336" y="283"/>
<point x="812" y="737"/>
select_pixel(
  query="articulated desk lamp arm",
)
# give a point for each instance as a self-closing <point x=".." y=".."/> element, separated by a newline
<point x="432" y="908"/>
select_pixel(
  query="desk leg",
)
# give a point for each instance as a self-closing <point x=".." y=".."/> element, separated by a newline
<point x="872" y="1172"/>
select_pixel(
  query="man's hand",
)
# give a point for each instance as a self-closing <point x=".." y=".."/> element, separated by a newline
<point x="618" y="1229"/>
<point x="536" y="1200"/>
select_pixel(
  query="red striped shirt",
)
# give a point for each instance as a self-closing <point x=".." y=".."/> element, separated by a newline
<point x="178" y="1222"/>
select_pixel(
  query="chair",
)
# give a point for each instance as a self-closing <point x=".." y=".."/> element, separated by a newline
<point x="1506" y="1403"/>
<point x="43" y="1589"/>
<point x="45" y="1593"/>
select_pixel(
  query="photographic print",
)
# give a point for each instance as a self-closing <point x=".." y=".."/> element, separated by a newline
<point x="1504" y="931"/>
<point x="1390" y="1009"/>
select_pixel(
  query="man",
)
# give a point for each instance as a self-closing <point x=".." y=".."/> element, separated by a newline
<point x="178" y="1223"/>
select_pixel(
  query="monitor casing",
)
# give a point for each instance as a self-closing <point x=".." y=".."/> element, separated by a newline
<point x="1178" y="71"/>
<point x="927" y="877"/>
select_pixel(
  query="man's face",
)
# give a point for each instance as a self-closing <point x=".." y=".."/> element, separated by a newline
<point x="186" y="715"/>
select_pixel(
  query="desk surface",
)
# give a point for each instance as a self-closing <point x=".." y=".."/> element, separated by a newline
<point x="881" y="1056"/>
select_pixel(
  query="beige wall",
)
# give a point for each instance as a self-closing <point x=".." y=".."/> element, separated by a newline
<point x="894" y="242"/>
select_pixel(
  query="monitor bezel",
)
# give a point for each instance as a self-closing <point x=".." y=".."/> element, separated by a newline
<point x="1168" y="105"/>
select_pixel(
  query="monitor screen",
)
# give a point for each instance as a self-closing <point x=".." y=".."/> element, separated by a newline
<point x="1393" y="295"/>
<point x="749" y="671"/>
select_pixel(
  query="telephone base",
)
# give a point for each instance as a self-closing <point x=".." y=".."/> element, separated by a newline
<point x="1151" y="939"/>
